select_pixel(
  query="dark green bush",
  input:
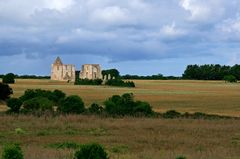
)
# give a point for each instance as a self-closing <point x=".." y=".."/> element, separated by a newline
<point x="91" y="151"/>
<point x="119" y="83"/>
<point x="181" y="157"/>
<point x="171" y="114"/>
<point x="72" y="104"/>
<point x="125" y="105"/>
<point x="116" y="105"/>
<point x="57" y="96"/>
<point x="8" y="78"/>
<point x="230" y="78"/>
<point x="41" y="104"/>
<point x="12" y="151"/>
<point x="95" y="109"/>
<point x="88" y="82"/>
<point x="14" y="104"/>
<point x="142" y="108"/>
<point x="5" y="91"/>
<point x="33" y="93"/>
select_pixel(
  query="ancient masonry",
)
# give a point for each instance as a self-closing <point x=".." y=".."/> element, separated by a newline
<point x="62" y="72"/>
<point x="91" y="71"/>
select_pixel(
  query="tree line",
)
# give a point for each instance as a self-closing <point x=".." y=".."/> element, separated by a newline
<point x="195" y="72"/>
<point x="211" y="72"/>
<point x="150" y="77"/>
<point x="27" y="76"/>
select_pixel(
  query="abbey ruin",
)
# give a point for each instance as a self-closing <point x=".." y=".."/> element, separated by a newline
<point x="67" y="72"/>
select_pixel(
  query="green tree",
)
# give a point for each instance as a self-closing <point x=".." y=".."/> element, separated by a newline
<point x="125" y="105"/>
<point x="5" y="91"/>
<point x="72" y="104"/>
<point x="95" y="108"/>
<point x="9" y="78"/>
<point x="235" y="71"/>
<point x="14" y="104"/>
<point x="230" y="78"/>
<point x="57" y="96"/>
<point x="142" y="108"/>
<point x="112" y="72"/>
<point x="38" y="104"/>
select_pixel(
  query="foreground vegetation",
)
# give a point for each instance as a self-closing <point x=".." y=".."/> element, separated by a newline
<point x="124" y="138"/>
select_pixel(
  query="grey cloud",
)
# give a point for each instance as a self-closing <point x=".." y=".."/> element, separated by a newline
<point x="118" y="30"/>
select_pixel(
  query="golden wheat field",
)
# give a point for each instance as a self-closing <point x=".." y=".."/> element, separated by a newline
<point x="215" y="97"/>
<point x="128" y="137"/>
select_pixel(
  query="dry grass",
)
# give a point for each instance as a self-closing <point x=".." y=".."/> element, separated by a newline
<point x="192" y="96"/>
<point x="134" y="138"/>
<point x="142" y="138"/>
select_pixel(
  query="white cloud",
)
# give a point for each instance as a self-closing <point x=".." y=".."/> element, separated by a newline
<point x="197" y="10"/>
<point x="172" y="30"/>
<point x="58" y="4"/>
<point x="204" y="10"/>
<point x="230" y="26"/>
<point x="110" y="14"/>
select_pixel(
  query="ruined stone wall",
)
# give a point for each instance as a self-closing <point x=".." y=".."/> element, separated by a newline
<point x="91" y="71"/>
<point x="62" y="72"/>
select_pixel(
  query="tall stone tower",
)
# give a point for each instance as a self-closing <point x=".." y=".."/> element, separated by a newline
<point x="62" y="72"/>
<point x="91" y="71"/>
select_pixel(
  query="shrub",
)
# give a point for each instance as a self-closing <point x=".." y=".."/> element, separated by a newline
<point x="125" y="105"/>
<point x="171" y="114"/>
<point x="12" y="152"/>
<point x="230" y="78"/>
<point x="120" y="83"/>
<point x="142" y="108"/>
<point x="181" y="157"/>
<point x="88" y="82"/>
<point x="72" y="104"/>
<point x="14" y="104"/>
<point x="95" y="108"/>
<point x="5" y="91"/>
<point x="116" y="105"/>
<point x="38" y="104"/>
<point x="19" y="131"/>
<point x="91" y="151"/>
<point x="9" y="78"/>
<point x="33" y="93"/>
<point x="56" y="96"/>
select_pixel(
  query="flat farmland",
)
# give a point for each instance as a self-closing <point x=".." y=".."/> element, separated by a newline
<point x="129" y="137"/>
<point x="215" y="97"/>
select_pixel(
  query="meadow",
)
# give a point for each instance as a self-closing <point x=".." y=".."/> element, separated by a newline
<point x="215" y="97"/>
<point x="128" y="137"/>
<point x="125" y="138"/>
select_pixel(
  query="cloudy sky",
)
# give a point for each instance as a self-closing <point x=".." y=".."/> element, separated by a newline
<point x="135" y="36"/>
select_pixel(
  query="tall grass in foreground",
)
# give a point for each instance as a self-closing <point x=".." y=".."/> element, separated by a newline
<point x="126" y="137"/>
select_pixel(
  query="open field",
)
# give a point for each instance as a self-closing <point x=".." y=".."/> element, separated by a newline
<point x="125" y="138"/>
<point x="215" y="97"/>
<point x="133" y="138"/>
